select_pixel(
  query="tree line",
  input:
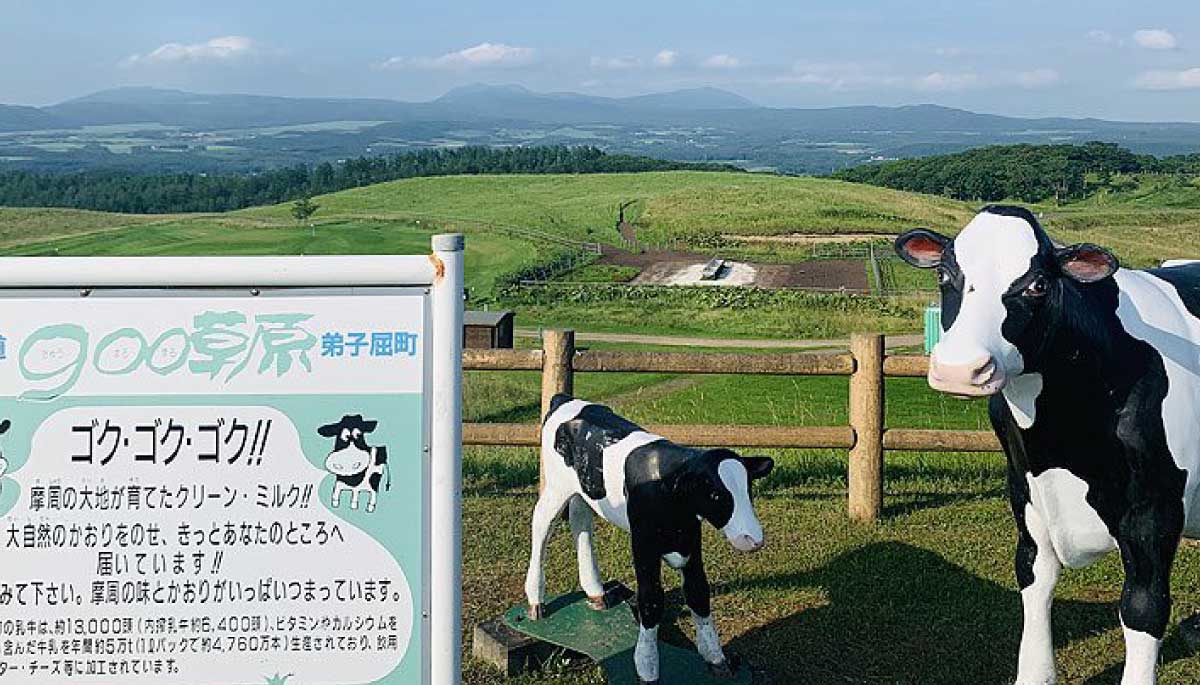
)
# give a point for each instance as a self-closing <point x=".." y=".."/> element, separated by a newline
<point x="1030" y="173"/>
<point x="128" y="192"/>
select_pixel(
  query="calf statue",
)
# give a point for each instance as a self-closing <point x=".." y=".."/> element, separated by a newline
<point x="595" y="462"/>
<point x="1093" y="375"/>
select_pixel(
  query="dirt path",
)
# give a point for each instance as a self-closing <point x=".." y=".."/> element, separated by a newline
<point x="734" y="343"/>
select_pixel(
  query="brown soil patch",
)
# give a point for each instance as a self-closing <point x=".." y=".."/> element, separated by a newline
<point x="818" y="274"/>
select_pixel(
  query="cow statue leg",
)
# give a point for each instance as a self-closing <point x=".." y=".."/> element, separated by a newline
<point x="648" y="570"/>
<point x="338" y="488"/>
<point x="1148" y="540"/>
<point x="697" y="594"/>
<point x="1038" y="569"/>
<point x="549" y="505"/>
<point x="354" y="497"/>
<point x="582" y="519"/>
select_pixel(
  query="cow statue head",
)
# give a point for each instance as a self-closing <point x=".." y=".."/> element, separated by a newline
<point x="716" y="486"/>
<point x="1006" y="288"/>
<point x="350" y="455"/>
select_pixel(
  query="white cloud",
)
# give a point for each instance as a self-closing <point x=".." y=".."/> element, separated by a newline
<point x="1162" y="79"/>
<point x="666" y="58"/>
<point x="1155" y="39"/>
<point x="222" y="49"/>
<point x="1103" y="37"/>
<point x="615" y="63"/>
<point x="721" y="61"/>
<point x="484" y="55"/>
<point x="942" y="82"/>
<point x="1037" y="78"/>
<point x="950" y="51"/>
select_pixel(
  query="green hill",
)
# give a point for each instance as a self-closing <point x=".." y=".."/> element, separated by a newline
<point x="505" y="218"/>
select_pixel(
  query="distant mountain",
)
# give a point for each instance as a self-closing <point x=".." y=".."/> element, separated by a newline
<point x="692" y="98"/>
<point x="193" y="110"/>
<point x="517" y="102"/>
<point x="17" y="118"/>
<point x="215" y="132"/>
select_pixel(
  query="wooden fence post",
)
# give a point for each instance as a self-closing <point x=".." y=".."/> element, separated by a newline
<point x="865" y="474"/>
<point x="558" y="373"/>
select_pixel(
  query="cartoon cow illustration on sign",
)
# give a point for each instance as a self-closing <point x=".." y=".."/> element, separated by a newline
<point x="597" y="462"/>
<point x="4" y="426"/>
<point x="1093" y="379"/>
<point x="358" y="467"/>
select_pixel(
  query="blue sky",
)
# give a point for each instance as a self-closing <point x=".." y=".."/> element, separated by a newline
<point x="1105" y="58"/>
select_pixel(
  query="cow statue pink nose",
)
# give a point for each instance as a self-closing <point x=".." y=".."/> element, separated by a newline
<point x="748" y="543"/>
<point x="977" y="378"/>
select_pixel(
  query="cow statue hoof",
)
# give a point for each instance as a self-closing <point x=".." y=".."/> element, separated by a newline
<point x="536" y="612"/>
<point x="598" y="603"/>
<point x="723" y="670"/>
<point x="1189" y="628"/>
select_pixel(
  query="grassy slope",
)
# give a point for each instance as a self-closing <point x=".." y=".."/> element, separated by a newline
<point x="671" y="204"/>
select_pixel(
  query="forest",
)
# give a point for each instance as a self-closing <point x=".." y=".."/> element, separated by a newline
<point x="133" y="193"/>
<point x="1029" y="173"/>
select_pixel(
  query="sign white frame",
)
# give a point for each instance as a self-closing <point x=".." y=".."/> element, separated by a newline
<point x="440" y="272"/>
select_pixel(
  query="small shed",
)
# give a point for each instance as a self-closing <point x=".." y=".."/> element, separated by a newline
<point x="488" y="330"/>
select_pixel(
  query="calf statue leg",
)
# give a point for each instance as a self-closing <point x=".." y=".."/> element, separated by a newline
<point x="589" y="573"/>
<point x="697" y="594"/>
<point x="648" y="569"/>
<point x="338" y="489"/>
<point x="1148" y="539"/>
<point x="549" y="506"/>
<point x="1038" y="569"/>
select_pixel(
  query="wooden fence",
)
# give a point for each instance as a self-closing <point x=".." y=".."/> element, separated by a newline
<point x="866" y="437"/>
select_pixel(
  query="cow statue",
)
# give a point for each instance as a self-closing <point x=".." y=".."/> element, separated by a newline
<point x="1093" y="375"/>
<point x="658" y="492"/>
<point x="357" y="466"/>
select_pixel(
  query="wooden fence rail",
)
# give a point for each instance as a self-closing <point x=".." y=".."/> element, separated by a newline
<point x="866" y="437"/>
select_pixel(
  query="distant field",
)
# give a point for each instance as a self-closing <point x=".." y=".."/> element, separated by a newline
<point x="1144" y="226"/>
<point x="86" y="233"/>
<point x="669" y="204"/>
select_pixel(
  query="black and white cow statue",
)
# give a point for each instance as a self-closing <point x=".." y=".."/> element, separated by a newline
<point x="1093" y="374"/>
<point x="595" y="462"/>
<point x="357" y="466"/>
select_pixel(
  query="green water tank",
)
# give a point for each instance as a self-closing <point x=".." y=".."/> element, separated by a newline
<point x="933" y="327"/>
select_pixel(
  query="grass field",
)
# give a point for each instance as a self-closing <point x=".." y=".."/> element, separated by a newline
<point x="928" y="596"/>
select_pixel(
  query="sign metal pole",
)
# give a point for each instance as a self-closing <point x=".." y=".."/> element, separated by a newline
<point x="446" y="298"/>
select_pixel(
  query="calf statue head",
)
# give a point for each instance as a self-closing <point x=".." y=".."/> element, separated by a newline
<point x="1006" y="291"/>
<point x="351" y="455"/>
<point x="716" y="486"/>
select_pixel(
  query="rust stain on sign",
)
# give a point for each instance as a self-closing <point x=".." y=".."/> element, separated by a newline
<point x="439" y="268"/>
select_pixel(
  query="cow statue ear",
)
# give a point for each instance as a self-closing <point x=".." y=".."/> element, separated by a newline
<point x="4" y="426"/>
<point x="757" y="467"/>
<point x="922" y="247"/>
<point x="1086" y="263"/>
<point x="329" y="430"/>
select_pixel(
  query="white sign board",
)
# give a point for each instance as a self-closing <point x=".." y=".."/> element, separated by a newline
<point x="221" y="485"/>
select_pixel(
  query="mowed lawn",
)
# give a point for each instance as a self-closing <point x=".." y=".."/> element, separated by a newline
<point x="927" y="596"/>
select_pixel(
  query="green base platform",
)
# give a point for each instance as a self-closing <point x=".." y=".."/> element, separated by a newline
<point x="609" y="637"/>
